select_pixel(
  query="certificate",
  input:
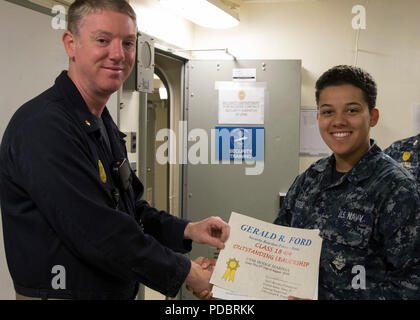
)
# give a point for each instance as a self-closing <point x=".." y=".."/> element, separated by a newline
<point x="266" y="261"/>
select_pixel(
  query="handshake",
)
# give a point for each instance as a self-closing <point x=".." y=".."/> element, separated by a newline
<point x="212" y="231"/>
<point x="198" y="280"/>
<point x="285" y="275"/>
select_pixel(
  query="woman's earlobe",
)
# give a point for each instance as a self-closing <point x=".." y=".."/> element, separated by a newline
<point x="374" y="117"/>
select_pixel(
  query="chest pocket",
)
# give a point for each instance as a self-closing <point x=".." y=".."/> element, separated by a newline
<point x="346" y="234"/>
<point x="306" y="210"/>
<point x="352" y="223"/>
<point x="300" y="214"/>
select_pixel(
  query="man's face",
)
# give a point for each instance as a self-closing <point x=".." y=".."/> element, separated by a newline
<point x="344" y="121"/>
<point x="102" y="54"/>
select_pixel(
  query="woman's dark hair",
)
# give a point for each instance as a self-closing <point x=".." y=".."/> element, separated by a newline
<point x="355" y="76"/>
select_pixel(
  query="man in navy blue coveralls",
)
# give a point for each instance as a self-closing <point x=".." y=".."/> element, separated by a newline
<point x="62" y="206"/>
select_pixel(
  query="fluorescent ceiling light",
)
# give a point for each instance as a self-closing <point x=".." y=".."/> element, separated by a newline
<point x="206" y="13"/>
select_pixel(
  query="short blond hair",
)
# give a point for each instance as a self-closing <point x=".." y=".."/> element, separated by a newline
<point x="81" y="8"/>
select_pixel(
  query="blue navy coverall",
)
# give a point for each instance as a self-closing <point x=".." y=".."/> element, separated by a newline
<point x="407" y="153"/>
<point x="58" y="207"/>
<point x="369" y="218"/>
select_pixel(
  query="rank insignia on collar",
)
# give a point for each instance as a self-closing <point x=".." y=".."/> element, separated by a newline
<point x="415" y="142"/>
<point x="102" y="173"/>
<point x="406" y="155"/>
<point x="87" y="123"/>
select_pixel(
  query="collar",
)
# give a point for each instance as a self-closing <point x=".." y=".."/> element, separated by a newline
<point x="78" y="105"/>
<point x="78" y="108"/>
<point x="362" y="170"/>
<point x="365" y="167"/>
<point x="416" y="141"/>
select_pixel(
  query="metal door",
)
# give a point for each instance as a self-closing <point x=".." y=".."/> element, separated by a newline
<point x="218" y="189"/>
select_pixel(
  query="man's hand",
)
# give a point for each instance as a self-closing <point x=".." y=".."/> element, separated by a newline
<point x="212" y="231"/>
<point x="198" y="281"/>
<point x="206" y="264"/>
<point x="296" y="298"/>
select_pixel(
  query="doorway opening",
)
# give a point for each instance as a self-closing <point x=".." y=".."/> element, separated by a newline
<point x="146" y="114"/>
<point x="158" y="117"/>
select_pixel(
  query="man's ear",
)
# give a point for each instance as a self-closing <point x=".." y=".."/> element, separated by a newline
<point x="374" y="117"/>
<point x="69" y="41"/>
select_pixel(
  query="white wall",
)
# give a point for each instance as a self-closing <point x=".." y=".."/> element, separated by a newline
<point x="320" y="33"/>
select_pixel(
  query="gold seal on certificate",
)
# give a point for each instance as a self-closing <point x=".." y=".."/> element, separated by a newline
<point x="262" y="260"/>
<point x="232" y="265"/>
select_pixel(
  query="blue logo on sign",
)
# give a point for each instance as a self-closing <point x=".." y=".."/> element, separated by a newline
<point x="239" y="143"/>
